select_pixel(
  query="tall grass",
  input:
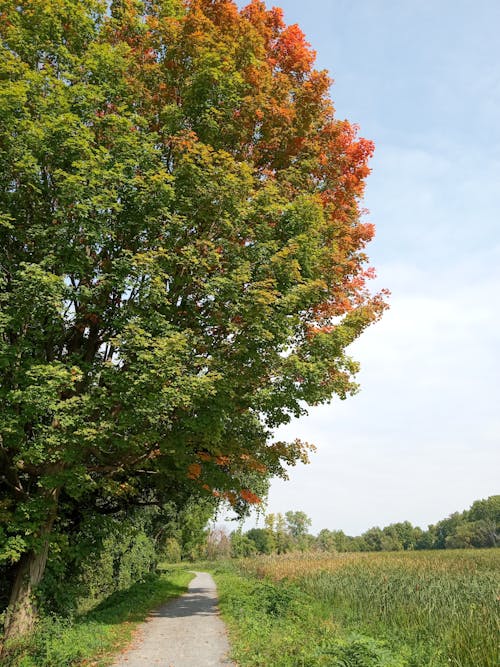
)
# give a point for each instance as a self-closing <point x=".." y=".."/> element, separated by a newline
<point x="444" y="605"/>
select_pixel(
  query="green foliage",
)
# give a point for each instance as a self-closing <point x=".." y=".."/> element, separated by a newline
<point x="182" y="531"/>
<point x="182" y="257"/>
<point x="297" y="523"/>
<point x="271" y="600"/>
<point x="172" y="551"/>
<point x="360" y="651"/>
<point x="241" y="545"/>
<point x="95" y="636"/>
<point x="477" y="527"/>
<point x="182" y="266"/>
<point x="279" y="538"/>
<point x="105" y="555"/>
<point x="263" y="540"/>
<point x="281" y="625"/>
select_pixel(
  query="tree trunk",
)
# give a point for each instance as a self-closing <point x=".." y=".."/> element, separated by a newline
<point x="21" y="611"/>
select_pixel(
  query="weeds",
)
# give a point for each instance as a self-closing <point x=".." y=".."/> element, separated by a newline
<point x="414" y="609"/>
<point x="94" y="637"/>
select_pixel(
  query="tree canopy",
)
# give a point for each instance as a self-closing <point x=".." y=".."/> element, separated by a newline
<point x="182" y="256"/>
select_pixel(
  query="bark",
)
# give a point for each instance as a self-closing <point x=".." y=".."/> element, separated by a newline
<point x="21" y="611"/>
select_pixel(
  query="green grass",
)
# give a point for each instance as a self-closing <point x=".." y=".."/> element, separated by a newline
<point x="93" y="639"/>
<point x="281" y="625"/>
<point x="364" y="610"/>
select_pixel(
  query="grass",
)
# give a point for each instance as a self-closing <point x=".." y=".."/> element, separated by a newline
<point x="96" y="637"/>
<point x="413" y="609"/>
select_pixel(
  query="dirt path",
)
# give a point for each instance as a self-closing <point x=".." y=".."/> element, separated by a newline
<point x="186" y="632"/>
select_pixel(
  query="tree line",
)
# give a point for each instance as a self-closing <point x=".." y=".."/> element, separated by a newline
<point x="477" y="527"/>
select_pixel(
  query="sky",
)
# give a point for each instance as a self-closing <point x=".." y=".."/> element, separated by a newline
<point x="422" y="437"/>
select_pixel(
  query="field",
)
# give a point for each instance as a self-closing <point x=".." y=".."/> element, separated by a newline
<point x="409" y="609"/>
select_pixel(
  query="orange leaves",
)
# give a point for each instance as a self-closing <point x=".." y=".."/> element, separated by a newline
<point x="222" y="12"/>
<point x="222" y="460"/>
<point x="313" y="330"/>
<point x="267" y="22"/>
<point x="194" y="471"/>
<point x="293" y="52"/>
<point x="250" y="497"/>
<point x="233" y="497"/>
<point x="251" y="463"/>
<point x="245" y="494"/>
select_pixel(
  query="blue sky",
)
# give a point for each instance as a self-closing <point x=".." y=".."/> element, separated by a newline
<point x="422" y="438"/>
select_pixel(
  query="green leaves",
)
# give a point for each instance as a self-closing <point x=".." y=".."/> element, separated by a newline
<point x="181" y="250"/>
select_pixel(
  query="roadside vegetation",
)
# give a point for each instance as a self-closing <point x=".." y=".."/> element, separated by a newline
<point x="304" y="603"/>
<point x="104" y="579"/>
<point x="426" y="609"/>
<point x="96" y="637"/>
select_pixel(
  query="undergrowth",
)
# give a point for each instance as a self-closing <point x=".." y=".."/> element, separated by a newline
<point x="94" y="637"/>
<point x="280" y="625"/>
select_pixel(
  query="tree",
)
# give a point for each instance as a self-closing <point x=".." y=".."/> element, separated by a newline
<point x="485" y="514"/>
<point x="446" y="528"/>
<point x="282" y="538"/>
<point x="187" y="525"/>
<point x="263" y="540"/>
<point x="398" y="536"/>
<point x="372" y="539"/>
<point x="241" y="545"/>
<point x="218" y="544"/>
<point x="182" y="258"/>
<point x="326" y="541"/>
<point x="298" y="523"/>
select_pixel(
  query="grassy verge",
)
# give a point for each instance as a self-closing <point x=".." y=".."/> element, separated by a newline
<point x="93" y="639"/>
<point x="375" y="611"/>
<point x="280" y="625"/>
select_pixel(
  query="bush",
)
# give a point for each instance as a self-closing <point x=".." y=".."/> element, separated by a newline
<point x="105" y="555"/>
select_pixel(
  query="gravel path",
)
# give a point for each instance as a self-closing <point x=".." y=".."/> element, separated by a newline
<point x="185" y="632"/>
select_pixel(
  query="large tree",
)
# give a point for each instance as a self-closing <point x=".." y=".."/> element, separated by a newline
<point x="181" y="257"/>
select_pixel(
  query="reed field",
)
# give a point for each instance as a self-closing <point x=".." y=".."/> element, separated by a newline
<point x="415" y="609"/>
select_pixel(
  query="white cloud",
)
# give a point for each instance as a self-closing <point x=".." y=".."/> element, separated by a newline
<point x="422" y="437"/>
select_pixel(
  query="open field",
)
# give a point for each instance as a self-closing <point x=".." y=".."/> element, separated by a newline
<point x="410" y="609"/>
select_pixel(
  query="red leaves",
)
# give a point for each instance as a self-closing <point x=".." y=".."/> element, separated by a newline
<point x="218" y="85"/>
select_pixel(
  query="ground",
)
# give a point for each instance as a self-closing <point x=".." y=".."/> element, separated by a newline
<point x="186" y="632"/>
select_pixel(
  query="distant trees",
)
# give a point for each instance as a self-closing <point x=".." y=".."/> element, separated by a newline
<point x="262" y="539"/>
<point x="333" y="540"/>
<point x="298" y="524"/>
<point x="242" y="545"/>
<point x="477" y="527"/>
